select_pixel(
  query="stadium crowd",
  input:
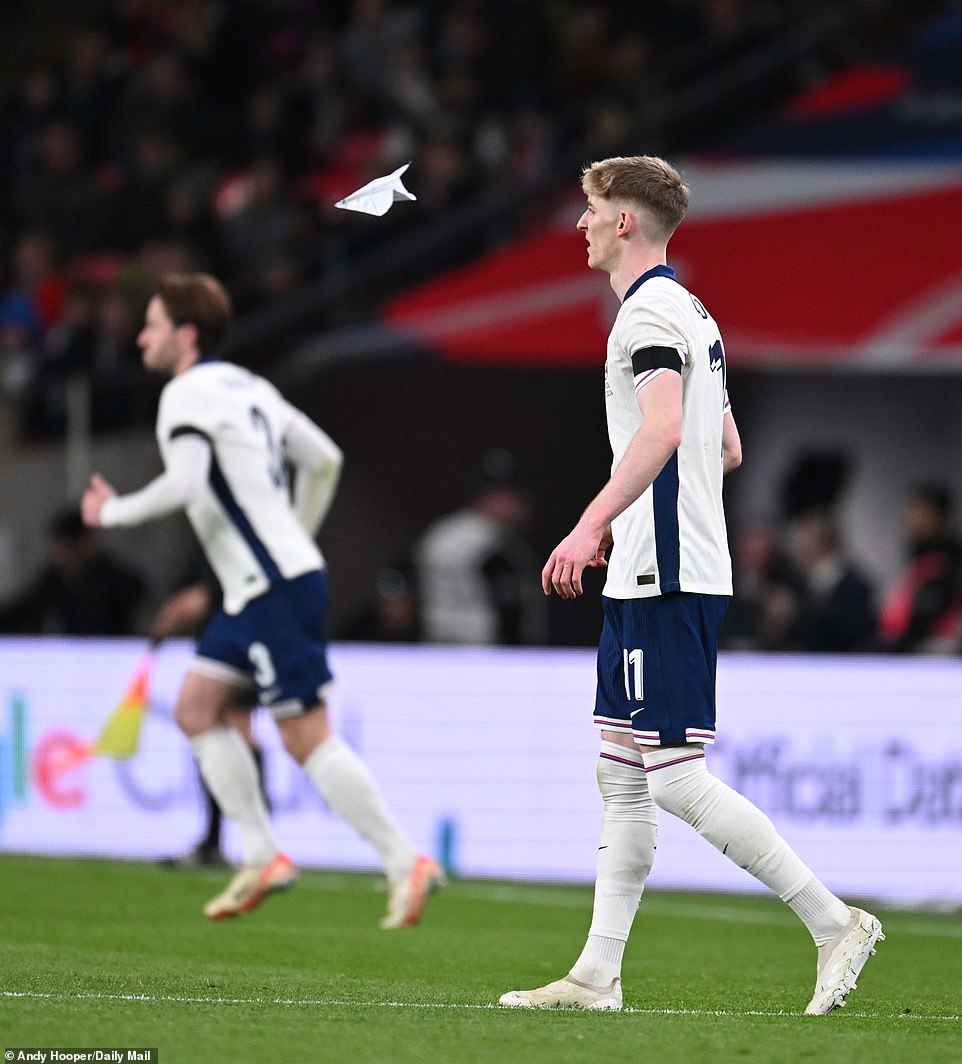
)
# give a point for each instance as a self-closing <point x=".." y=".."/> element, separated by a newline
<point x="799" y="588"/>
<point x="150" y="135"/>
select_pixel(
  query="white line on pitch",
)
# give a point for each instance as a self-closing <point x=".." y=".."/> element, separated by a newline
<point x="183" y="999"/>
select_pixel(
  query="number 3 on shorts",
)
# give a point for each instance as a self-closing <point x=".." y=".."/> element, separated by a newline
<point x="264" y="672"/>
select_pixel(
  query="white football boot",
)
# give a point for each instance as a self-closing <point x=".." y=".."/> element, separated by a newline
<point x="567" y="993"/>
<point x="841" y="960"/>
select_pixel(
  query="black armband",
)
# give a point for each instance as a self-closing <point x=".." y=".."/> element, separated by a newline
<point x="188" y="430"/>
<point x="649" y="358"/>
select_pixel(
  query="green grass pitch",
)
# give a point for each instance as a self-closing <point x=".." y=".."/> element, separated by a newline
<point x="110" y="954"/>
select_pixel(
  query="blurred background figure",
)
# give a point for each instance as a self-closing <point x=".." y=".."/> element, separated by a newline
<point x="765" y="589"/>
<point x="922" y="612"/>
<point x="393" y="615"/>
<point x="80" y="590"/>
<point x="796" y="587"/>
<point x="478" y="577"/>
<point x="834" y="610"/>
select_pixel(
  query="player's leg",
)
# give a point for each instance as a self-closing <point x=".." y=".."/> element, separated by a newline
<point x="225" y="760"/>
<point x="679" y="782"/>
<point x="219" y="685"/>
<point x="208" y="852"/>
<point x="348" y="787"/>
<point x="242" y="719"/>
<point x="626" y="850"/>
<point x="296" y="651"/>
<point x="227" y="768"/>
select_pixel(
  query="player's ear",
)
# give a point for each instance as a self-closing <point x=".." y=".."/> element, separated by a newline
<point x="190" y="333"/>
<point x="624" y="223"/>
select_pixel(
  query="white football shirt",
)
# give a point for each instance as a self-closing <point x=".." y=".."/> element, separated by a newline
<point x="243" y="515"/>
<point x="673" y="537"/>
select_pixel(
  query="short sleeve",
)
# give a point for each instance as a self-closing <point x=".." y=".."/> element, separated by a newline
<point x="652" y="338"/>
<point x="187" y="407"/>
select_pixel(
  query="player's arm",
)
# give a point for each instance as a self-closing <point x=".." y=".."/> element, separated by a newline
<point x="183" y="611"/>
<point x="731" y="443"/>
<point x="660" y="401"/>
<point x="187" y="468"/>
<point x="317" y="463"/>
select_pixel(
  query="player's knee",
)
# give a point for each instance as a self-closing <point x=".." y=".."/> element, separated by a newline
<point x="675" y="796"/>
<point x="193" y="719"/>
<point x="625" y="792"/>
<point x="303" y="734"/>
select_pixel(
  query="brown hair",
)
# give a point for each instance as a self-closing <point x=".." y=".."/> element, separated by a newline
<point x="200" y="300"/>
<point x="644" y="180"/>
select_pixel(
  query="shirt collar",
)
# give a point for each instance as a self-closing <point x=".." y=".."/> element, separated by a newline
<point x="655" y="271"/>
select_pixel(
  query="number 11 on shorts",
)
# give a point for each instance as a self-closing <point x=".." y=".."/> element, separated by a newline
<point x="634" y="662"/>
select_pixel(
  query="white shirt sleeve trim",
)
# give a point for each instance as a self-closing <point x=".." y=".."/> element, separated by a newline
<point x="648" y="376"/>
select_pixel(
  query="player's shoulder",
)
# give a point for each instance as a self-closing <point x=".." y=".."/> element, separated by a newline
<point x="667" y="299"/>
<point x="213" y="377"/>
<point x="655" y="296"/>
<point x="204" y="392"/>
<point x="662" y="291"/>
<point x="658" y="304"/>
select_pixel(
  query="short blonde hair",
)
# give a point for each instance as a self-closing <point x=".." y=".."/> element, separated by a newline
<point x="644" y="180"/>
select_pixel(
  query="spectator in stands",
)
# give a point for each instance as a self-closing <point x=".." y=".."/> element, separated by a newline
<point x="37" y="276"/>
<point x="393" y="615"/>
<point x="260" y="226"/>
<point x="834" y="610"/>
<point x="923" y="610"/>
<point x="80" y="590"/>
<point x="20" y="346"/>
<point x="478" y="577"/>
<point x="66" y="351"/>
<point x="56" y="190"/>
<point x="140" y="114"/>
<point x="767" y="587"/>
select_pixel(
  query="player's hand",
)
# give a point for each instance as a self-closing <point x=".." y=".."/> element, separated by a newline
<point x="180" y="612"/>
<point x="93" y="500"/>
<point x="601" y="555"/>
<point x="580" y="549"/>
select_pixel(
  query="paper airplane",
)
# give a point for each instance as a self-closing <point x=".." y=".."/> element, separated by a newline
<point x="377" y="196"/>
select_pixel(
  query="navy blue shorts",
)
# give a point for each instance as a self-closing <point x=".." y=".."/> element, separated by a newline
<point x="656" y="667"/>
<point x="275" y="646"/>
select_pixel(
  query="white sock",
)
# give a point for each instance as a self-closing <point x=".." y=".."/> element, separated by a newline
<point x="629" y="834"/>
<point x="820" y="911"/>
<point x="680" y="783"/>
<point x="230" y="772"/>
<point x="348" y="787"/>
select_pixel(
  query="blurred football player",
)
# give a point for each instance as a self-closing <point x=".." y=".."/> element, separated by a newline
<point x="227" y="438"/>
